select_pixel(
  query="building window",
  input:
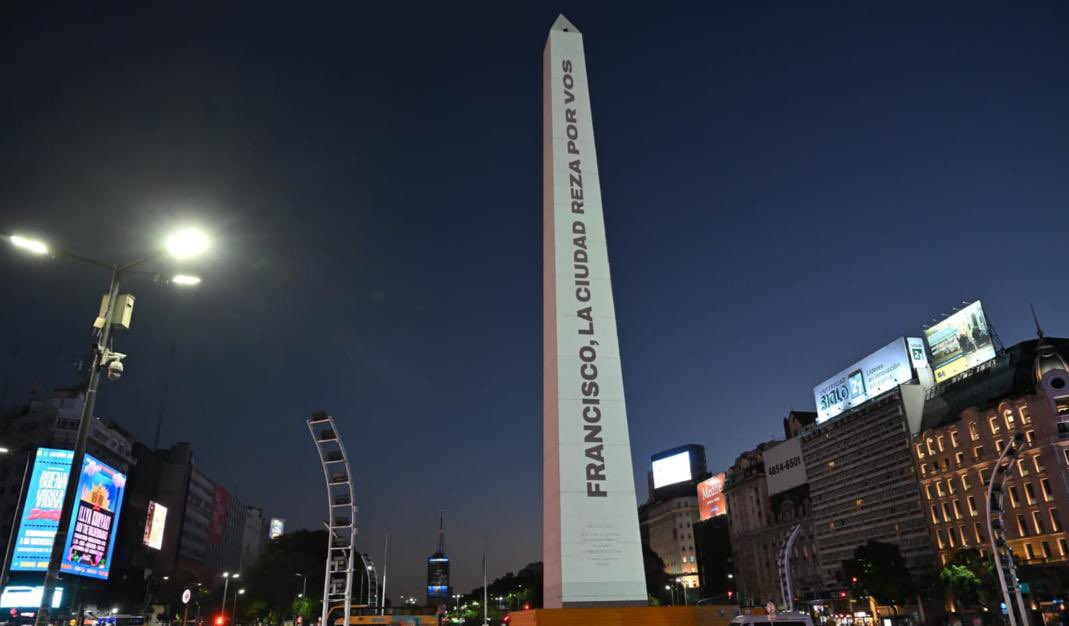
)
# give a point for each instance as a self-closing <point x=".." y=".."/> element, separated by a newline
<point x="950" y="538"/>
<point x="1046" y="550"/>
<point x="1026" y="416"/>
<point x="974" y="434"/>
<point x="1063" y="549"/>
<point x="946" y="512"/>
<point x="977" y="453"/>
<point x="979" y="534"/>
<point x="1037" y="521"/>
<point x="954" y="438"/>
<point x="1022" y="467"/>
<point x="946" y="464"/>
<point x="1062" y="405"/>
<point x="940" y="540"/>
<point x="965" y="482"/>
<point x="1008" y="416"/>
<point x="1022" y="526"/>
<point x="935" y="514"/>
<point x="1037" y="462"/>
<point x="959" y="458"/>
<point x="957" y="509"/>
<point x="1013" y="496"/>
<point x="992" y="423"/>
<point x="983" y="478"/>
<point x="939" y="442"/>
<point x="972" y="506"/>
<point x="928" y="491"/>
<point x="1030" y="492"/>
<point x="950" y="486"/>
<point x="998" y="446"/>
<point x="964" y="536"/>
<point x="1044" y="486"/>
<point x="1031" y="551"/>
<point x="928" y="444"/>
<point x="939" y="488"/>
<point x="924" y="469"/>
<point x="1030" y="436"/>
<point x="1055" y="521"/>
<point x="920" y="451"/>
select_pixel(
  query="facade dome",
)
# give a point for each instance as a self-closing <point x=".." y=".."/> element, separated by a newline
<point x="1047" y="359"/>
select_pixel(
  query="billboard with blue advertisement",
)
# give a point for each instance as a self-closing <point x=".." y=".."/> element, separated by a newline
<point x="40" y="513"/>
<point x="90" y="541"/>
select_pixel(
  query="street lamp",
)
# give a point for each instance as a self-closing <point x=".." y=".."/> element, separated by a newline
<point x="226" y="584"/>
<point x="234" y="611"/>
<point x="183" y="244"/>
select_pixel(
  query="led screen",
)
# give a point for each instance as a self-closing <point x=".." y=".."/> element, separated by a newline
<point x="154" y="525"/>
<point x="711" y="501"/>
<point x="671" y="470"/>
<point x="277" y="528"/>
<point x="960" y="342"/>
<point x="17" y="597"/>
<point x="40" y="513"/>
<point x="96" y="518"/>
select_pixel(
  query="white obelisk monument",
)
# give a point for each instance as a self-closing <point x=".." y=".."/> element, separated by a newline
<point x="591" y="547"/>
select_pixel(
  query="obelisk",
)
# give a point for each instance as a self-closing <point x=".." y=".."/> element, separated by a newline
<point x="592" y="553"/>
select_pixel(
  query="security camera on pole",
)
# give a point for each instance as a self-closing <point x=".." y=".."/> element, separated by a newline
<point x="116" y="311"/>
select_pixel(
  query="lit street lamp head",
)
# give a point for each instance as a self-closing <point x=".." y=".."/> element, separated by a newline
<point x="187" y="243"/>
<point x="185" y="280"/>
<point x="34" y="246"/>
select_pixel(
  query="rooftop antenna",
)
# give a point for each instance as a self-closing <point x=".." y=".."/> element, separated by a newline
<point x="1039" y="331"/>
<point x="441" y="532"/>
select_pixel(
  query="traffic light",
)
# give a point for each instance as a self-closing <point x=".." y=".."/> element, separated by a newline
<point x="219" y="620"/>
<point x="842" y="594"/>
<point x="731" y="594"/>
<point x="853" y="580"/>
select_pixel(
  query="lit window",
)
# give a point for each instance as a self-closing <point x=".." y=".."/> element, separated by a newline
<point x="935" y="514"/>
<point x="1022" y="467"/>
<point x="946" y="512"/>
<point x="1013" y="496"/>
<point x="974" y="434"/>
<point x="964" y="536"/>
<point x="954" y="438"/>
<point x="1022" y="526"/>
<point x="1063" y="549"/>
<point x="1044" y="486"/>
<point x="979" y="534"/>
<point x="1037" y="463"/>
<point x="972" y="506"/>
<point x="977" y="453"/>
<point x="1031" y="551"/>
<point x="1008" y="416"/>
<point x="928" y="443"/>
<point x="957" y="510"/>
<point x="950" y="486"/>
<point x="1030" y="436"/>
<point x="998" y="446"/>
<point x="1026" y="416"/>
<point x="965" y="482"/>
<point x="939" y="488"/>
<point x="1046" y="550"/>
<point x="939" y="442"/>
<point x="992" y="422"/>
<point x="924" y="469"/>
<point x="1055" y="521"/>
<point x="1030" y="491"/>
<point x="959" y="458"/>
<point x="1037" y="521"/>
<point x="950" y="538"/>
<point x="940" y="539"/>
<point x="920" y="451"/>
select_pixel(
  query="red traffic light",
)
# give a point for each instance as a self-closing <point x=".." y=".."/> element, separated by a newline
<point x="219" y="619"/>
<point x="526" y="606"/>
<point x="842" y="594"/>
<point x="731" y="594"/>
<point x="853" y="580"/>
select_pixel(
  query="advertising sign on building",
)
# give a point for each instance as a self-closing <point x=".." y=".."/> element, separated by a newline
<point x="155" y="524"/>
<point x="220" y="513"/>
<point x="711" y="501"/>
<point x="877" y="373"/>
<point x="671" y="470"/>
<point x="96" y="518"/>
<point x="960" y="342"/>
<point x="277" y="528"/>
<point x="784" y="466"/>
<point x="41" y="510"/>
<point x="21" y="597"/>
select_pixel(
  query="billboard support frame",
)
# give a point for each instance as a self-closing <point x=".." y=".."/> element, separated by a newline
<point x="6" y="573"/>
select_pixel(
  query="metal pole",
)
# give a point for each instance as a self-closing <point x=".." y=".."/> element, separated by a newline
<point x="486" y="620"/>
<point x="382" y="592"/>
<point x="226" y="584"/>
<point x="84" y="426"/>
<point x="185" y="614"/>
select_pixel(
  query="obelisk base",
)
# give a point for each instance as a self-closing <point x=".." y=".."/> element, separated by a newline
<point x="706" y="615"/>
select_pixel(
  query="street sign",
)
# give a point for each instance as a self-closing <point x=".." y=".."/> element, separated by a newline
<point x="186" y="595"/>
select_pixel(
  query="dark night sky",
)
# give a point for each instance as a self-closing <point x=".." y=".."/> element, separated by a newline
<point x="788" y="187"/>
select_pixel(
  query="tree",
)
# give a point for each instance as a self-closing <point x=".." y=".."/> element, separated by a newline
<point x="881" y="572"/>
<point x="656" y="576"/>
<point x="273" y="583"/>
<point x="969" y="577"/>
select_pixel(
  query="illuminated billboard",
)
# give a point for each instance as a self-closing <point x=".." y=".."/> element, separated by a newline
<point x="40" y="513"/>
<point x="877" y="373"/>
<point x="671" y="470"/>
<point x="87" y="551"/>
<point x="277" y="528"/>
<point x="784" y="467"/>
<point x="960" y="342"/>
<point x="711" y="501"/>
<point x="155" y="523"/>
<point x="20" y="597"/>
<point x="96" y="518"/>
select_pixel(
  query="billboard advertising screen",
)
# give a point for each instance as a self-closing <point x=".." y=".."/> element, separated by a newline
<point x="18" y="597"/>
<point x="40" y="513"/>
<point x="877" y="373"/>
<point x="277" y="528"/>
<point x="711" y="500"/>
<point x="671" y="470"/>
<point x="784" y="466"/>
<point x="960" y="342"/>
<point x="96" y="518"/>
<point x="155" y="522"/>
